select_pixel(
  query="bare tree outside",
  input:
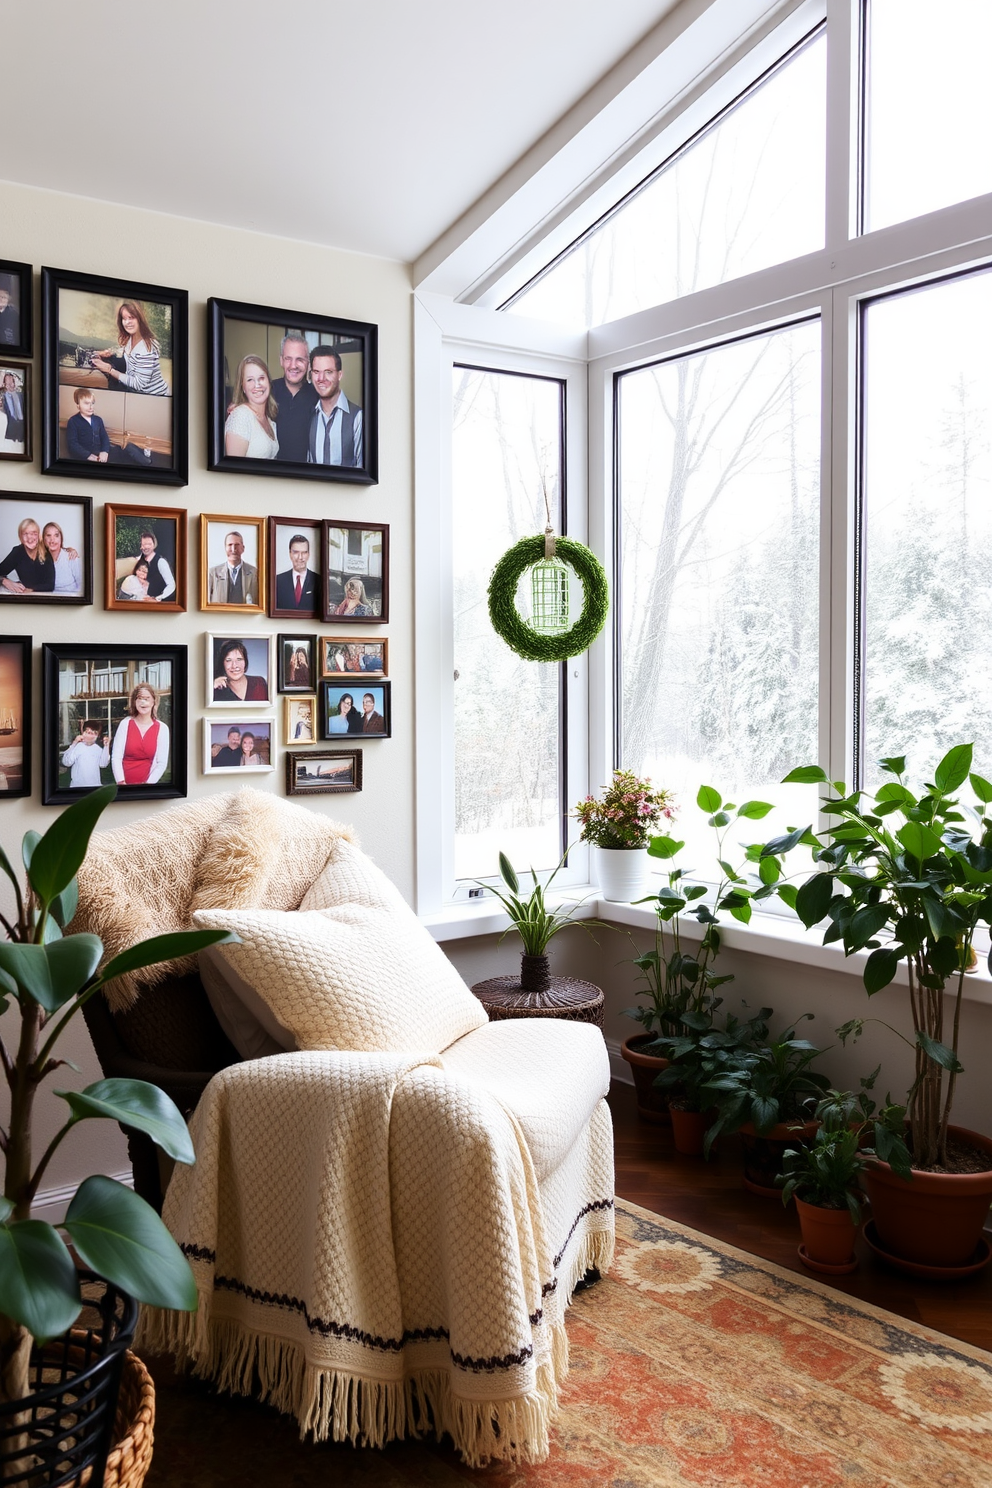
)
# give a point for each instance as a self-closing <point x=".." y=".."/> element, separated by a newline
<point x="506" y="456"/>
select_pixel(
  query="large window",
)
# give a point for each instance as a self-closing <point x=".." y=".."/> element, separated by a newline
<point x="748" y="192"/>
<point x="506" y="477"/>
<point x="928" y="521"/>
<point x="719" y="488"/>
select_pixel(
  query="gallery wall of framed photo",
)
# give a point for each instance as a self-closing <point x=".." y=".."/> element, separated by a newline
<point x="206" y="480"/>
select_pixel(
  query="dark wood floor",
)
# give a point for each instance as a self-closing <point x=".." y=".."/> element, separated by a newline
<point x="710" y="1197"/>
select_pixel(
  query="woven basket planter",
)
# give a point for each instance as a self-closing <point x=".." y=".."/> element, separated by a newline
<point x="134" y="1424"/>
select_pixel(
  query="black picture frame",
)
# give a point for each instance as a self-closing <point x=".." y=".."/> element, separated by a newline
<point x="15" y="716"/>
<point x="237" y="330"/>
<point x="282" y="603"/>
<point x="147" y="437"/>
<point x="106" y="676"/>
<point x="17" y="507"/>
<point x="16" y="335"/>
<point x="286" y="645"/>
<point x="19" y="377"/>
<point x="331" y="696"/>
<point x="308" y="771"/>
<point x="355" y="551"/>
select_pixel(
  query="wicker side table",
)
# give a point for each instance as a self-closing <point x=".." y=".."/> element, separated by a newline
<point x="580" y="1002"/>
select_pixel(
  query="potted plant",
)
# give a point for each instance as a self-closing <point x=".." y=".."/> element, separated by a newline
<point x="534" y="922"/>
<point x="679" y="977"/>
<point x="617" y="826"/>
<point x="762" y="1094"/>
<point x="908" y="877"/>
<point x="824" y="1173"/>
<point x="698" y="1056"/>
<point x="50" y="974"/>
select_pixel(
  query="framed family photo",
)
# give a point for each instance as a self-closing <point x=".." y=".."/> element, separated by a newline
<point x="343" y="656"/>
<point x="15" y="308"/>
<point x="299" y="720"/>
<point x="113" y="713"/>
<point x="294" y="568"/>
<point x="296" y="663"/>
<point x="46" y="549"/>
<point x="357" y="709"/>
<point x="237" y="745"/>
<point x="145" y="558"/>
<point x="114" y="369"/>
<point x="16" y="411"/>
<point x="15" y="716"/>
<point x="356" y="572"/>
<point x="292" y="393"/>
<point x="239" y="670"/>
<point x="323" y="772"/>
<point x="232" y="563"/>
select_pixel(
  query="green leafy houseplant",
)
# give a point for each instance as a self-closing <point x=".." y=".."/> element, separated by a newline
<point x="534" y="921"/>
<point x="701" y="1054"/>
<point x="679" y="979"/>
<point x="907" y="877"/>
<point x="767" y="1082"/>
<point x="826" y="1172"/>
<point x="50" y="975"/>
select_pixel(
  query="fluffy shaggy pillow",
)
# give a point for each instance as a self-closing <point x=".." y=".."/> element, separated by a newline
<point x="354" y="976"/>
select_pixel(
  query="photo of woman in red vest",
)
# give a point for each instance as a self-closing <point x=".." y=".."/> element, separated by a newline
<point x="141" y="744"/>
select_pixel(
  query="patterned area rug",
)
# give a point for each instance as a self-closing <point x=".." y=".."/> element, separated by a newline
<point x="694" y="1365"/>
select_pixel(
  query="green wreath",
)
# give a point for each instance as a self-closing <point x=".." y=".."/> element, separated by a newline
<point x="515" y="631"/>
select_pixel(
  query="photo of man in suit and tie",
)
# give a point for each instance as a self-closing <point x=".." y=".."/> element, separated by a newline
<point x="296" y="586"/>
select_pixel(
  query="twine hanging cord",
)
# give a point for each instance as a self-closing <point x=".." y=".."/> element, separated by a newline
<point x="506" y="620"/>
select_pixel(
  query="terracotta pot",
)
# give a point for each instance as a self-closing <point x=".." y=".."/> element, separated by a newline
<point x="828" y="1236"/>
<point x="652" y="1104"/>
<point x="935" y="1219"/>
<point x="688" y="1130"/>
<point x="763" y="1155"/>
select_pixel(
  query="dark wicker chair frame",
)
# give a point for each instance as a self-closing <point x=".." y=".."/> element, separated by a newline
<point x="169" y="1037"/>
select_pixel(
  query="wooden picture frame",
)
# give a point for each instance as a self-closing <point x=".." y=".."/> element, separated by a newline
<point x="299" y="720"/>
<point x="236" y="660"/>
<point x="292" y="349"/>
<point x="290" y="563"/>
<point x="356" y="573"/>
<point x="219" y="744"/>
<point x="351" y="656"/>
<point x="216" y="557"/>
<point x="71" y="579"/>
<point x="145" y="559"/>
<point x="115" y="394"/>
<point x="323" y="772"/>
<point x="356" y="715"/>
<point x="97" y="682"/>
<point x="15" y="716"/>
<point x="17" y="309"/>
<point x="16" y="397"/>
<point x="296" y="673"/>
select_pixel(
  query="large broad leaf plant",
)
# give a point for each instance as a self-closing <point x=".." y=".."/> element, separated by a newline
<point x="907" y="877"/>
<point x="50" y="975"/>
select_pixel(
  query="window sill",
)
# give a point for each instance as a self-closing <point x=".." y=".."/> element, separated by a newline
<point x="767" y="935"/>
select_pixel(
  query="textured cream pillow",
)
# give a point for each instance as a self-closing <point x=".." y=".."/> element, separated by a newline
<point x="352" y="977"/>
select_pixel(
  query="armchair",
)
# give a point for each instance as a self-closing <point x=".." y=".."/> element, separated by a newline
<point x="386" y="1221"/>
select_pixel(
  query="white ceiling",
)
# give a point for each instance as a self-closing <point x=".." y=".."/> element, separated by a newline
<point x="370" y="126"/>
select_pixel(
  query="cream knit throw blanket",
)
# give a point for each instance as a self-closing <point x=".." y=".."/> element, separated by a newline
<point x="368" y="1235"/>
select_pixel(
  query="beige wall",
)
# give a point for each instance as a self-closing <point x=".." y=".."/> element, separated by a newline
<point x="71" y="233"/>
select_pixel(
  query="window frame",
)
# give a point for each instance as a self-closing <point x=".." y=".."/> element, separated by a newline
<point x="833" y="283"/>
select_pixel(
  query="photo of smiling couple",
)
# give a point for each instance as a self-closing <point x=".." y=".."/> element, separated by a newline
<point x="301" y="417"/>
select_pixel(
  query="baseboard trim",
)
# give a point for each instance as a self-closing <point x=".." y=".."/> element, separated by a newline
<point x="619" y="1068"/>
<point x="51" y="1203"/>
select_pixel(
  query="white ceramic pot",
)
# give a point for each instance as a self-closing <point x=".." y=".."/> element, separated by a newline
<point x="622" y="872"/>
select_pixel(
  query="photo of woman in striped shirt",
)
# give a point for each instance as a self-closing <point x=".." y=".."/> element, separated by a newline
<point x="136" y="365"/>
